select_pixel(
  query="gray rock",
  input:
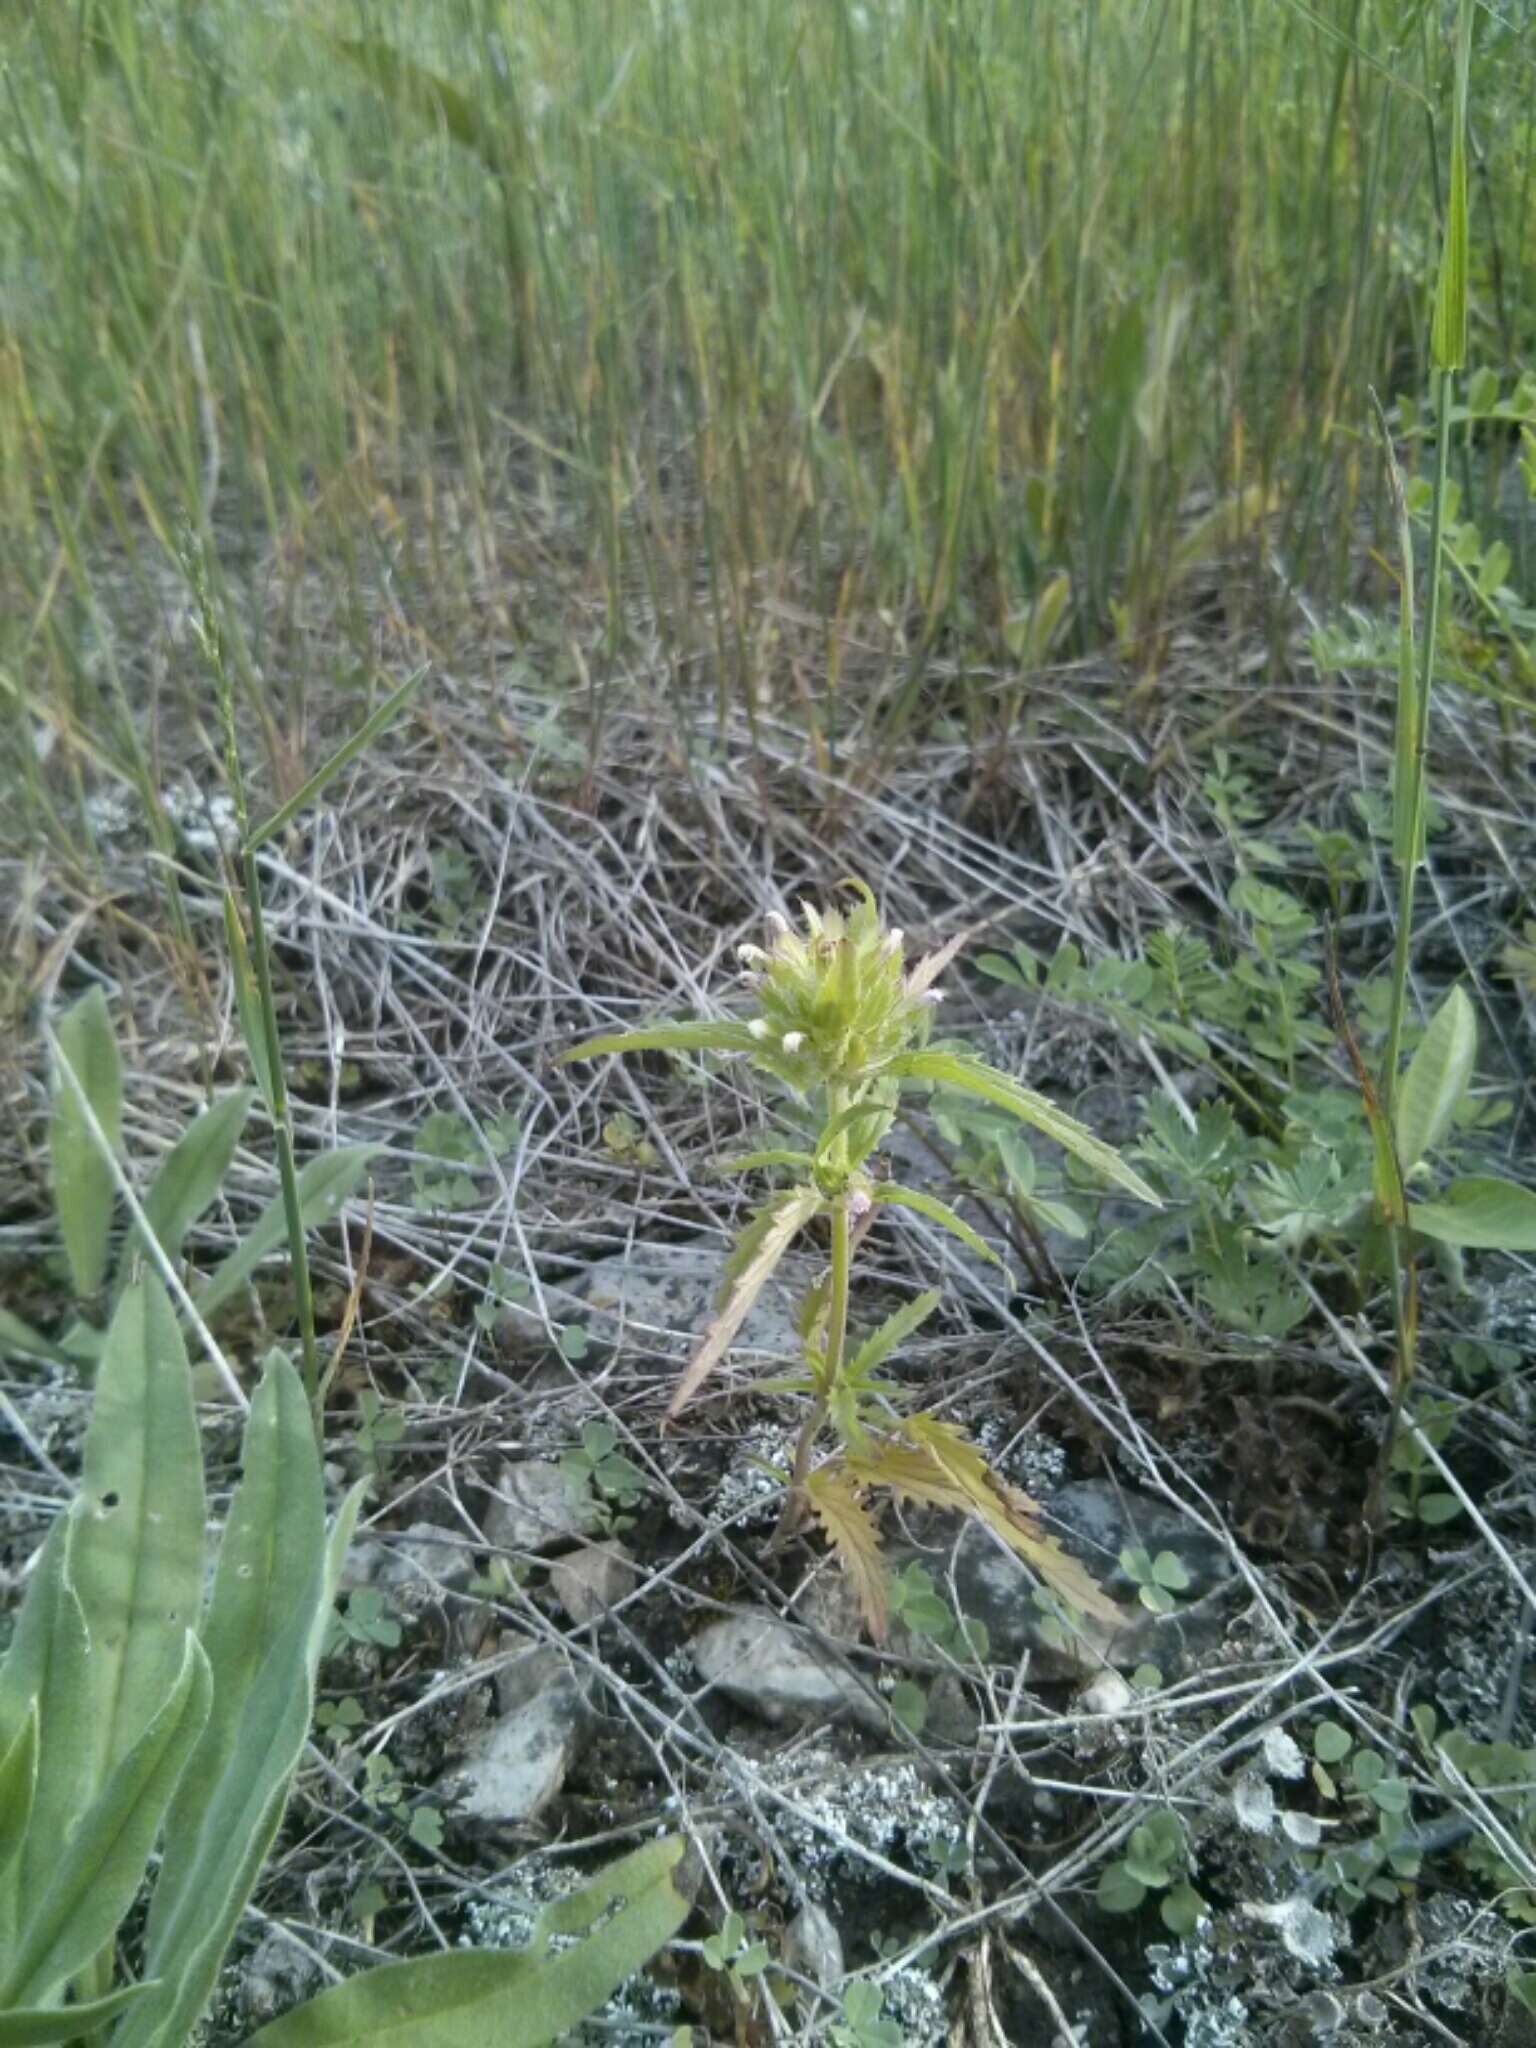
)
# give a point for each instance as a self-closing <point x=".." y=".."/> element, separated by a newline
<point x="754" y="1659"/>
<point x="534" y="1507"/>
<point x="813" y="1946"/>
<point x="279" y="1974"/>
<point x="593" y="1579"/>
<point x="1095" y="1522"/>
<point x="659" y="1298"/>
<point x="421" y="1559"/>
<point x="515" y="1767"/>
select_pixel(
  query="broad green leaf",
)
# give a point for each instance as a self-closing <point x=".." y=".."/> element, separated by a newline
<point x="699" y="1034"/>
<point x="185" y="1942"/>
<point x="975" y="1077"/>
<point x="465" y="1998"/>
<point x="324" y="1184"/>
<point x="45" y="2028"/>
<point x="137" y="1556"/>
<point x="15" y="1335"/>
<point x="895" y="1330"/>
<point x="48" y="1667"/>
<point x="924" y="1204"/>
<point x="84" y="1191"/>
<point x="1118" y="1891"/>
<point x="771" y="1231"/>
<point x="248" y="1002"/>
<point x="1482" y="1213"/>
<point x="1436" y="1079"/>
<point x="274" y="1543"/>
<point x="192" y="1174"/>
<point x="18" y="1783"/>
<point x="96" y="1872"/>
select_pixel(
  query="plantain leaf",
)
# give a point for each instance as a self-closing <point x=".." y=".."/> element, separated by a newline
<point x="466" y="1997"/>
<point x="834" y="1499"/>
<point x="769" y="1233"/>
<point x="137" y="1554"/>
<point x="47" y="1669"/>
<point x="18" y="1784"/>
<point x="215" y="1851"/>
<point x="84" y="1191"/>
<point x="699" y="1034"/>
<point x="192" y="1175"/>
<point x="15" y="1335"/>
<point x="43" y="2028"/>
<point x="924" y="1204"/>
<point x="274" y="1542"/>
<point x="975" y="1077"/>
<point x="1482" y="1213"/>
<point x="1436" y="1079"/>
<point x="324" y="1184"/>
<point x="96" y="1871"/>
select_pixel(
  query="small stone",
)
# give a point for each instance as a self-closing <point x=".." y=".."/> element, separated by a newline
<point x="1108" y="1693"/>
<point x="515" y="1767"/>
<point x="754" y="1659"/>
<point x="277" y="1975"/>
<point x="659" y="1297"/>
<point x="1308" y="1933"/>
<point x="535" y="1507"/>
<point x="813" y="1947"/>
<point x="591" y="1580"/>
<point x="1253" y="1801"/>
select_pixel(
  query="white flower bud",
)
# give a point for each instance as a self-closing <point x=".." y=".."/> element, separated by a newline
<point x="792" y="1041"/>
<point x="931" y="995"/>
<point x="859" y="1206"/>
<point x="777" y="923"/>
<point x="893" y="940"/>
<point x="758" y="1028"/>
<point x="750" y="953"/>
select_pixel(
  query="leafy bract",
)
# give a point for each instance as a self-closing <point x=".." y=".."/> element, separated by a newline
<point x="763" y="1244"/>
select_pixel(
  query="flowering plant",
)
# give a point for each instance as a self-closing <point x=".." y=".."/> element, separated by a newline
<point x="845" y="1024"/>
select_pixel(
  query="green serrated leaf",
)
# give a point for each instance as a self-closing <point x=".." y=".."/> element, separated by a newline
<point x="86" y="1065"/>
<point x="924" y="1204"/>
<point x="893" y="1332"/>
<point x="697" y="1035"/>
<point x="975" y="1077"/>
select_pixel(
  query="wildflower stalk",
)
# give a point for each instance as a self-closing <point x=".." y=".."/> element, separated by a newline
<point x="844" y="1024"/>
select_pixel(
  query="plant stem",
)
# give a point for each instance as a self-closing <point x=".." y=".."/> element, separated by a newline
<point x="837" y="1340"/>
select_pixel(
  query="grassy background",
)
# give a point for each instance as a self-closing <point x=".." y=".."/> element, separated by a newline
<point x="989" y="325"/>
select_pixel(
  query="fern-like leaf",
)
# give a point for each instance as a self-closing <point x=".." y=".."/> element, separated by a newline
<point x="834" y="1498"/>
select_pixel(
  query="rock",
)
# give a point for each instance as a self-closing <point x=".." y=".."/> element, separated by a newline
<point x="754" y="1659"/>
<point x="534" y="1507"/>
<point x="1107" y="1693"/>
<point x="813" y="1947"/>
<point x="275" y="1977"/>
<point x="421" y="1559"/>
<point x="1097" y="1520"/>
<point x="659" y="1297"/>
<point x="994" y="1586"/>
<point x="515" y="1767"/>
<point x="593" y="1579"/>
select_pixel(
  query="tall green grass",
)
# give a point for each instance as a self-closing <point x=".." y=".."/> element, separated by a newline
<point x="997" y="321"/>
